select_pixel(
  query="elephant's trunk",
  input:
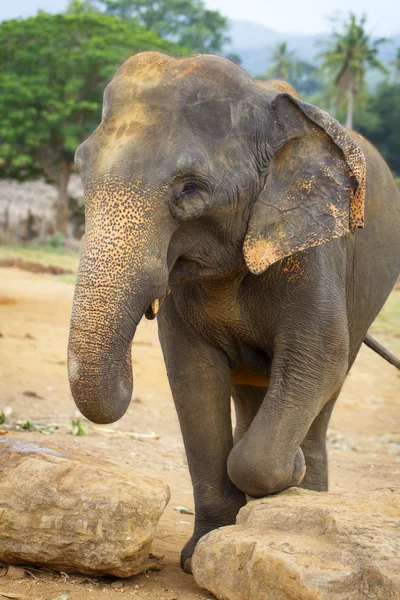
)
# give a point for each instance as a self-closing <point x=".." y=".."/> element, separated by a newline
<point x="99" y="356"/>
<point x="120" y="274"/>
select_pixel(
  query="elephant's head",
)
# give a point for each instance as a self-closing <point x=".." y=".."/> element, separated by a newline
<point x="194" y="172"/>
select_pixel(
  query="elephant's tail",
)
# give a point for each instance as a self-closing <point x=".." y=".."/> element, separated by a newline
<point x="379" y="349"/>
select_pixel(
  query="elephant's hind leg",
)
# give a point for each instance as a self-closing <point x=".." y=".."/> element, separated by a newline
<point x="314" y="450"/>
<point x="247" y="400"/>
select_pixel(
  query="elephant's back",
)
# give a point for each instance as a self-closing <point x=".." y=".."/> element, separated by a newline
<point x="373" y="257"/>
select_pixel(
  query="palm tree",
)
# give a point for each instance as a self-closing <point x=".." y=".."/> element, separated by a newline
<point x="283" y="62"/>
<point x="346" y="59"/>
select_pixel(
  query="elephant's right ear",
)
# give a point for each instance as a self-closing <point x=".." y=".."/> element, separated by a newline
<point x="315" y="188"/>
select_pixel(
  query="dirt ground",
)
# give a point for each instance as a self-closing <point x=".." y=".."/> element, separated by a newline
<point x="364" y="438"/>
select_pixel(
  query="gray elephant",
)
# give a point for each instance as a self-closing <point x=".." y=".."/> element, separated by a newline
<point x="242" y="209"/>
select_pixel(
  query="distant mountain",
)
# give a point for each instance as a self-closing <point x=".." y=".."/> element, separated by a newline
<point x="253" y="42"/>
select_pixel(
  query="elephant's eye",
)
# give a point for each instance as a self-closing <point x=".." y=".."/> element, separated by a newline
<point x="191" y="199"/>
<point x="188" y="188"/>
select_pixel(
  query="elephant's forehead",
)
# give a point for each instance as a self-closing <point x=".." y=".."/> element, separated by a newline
<point x="154" y="67"/>
<point x="156" y="113"/>
<point x="156" y="79"/>
<point x="152" y="91"/>
<point x="169" y="95"/>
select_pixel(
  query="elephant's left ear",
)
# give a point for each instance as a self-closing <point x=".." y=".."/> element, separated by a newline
<point x="315" y="188"/>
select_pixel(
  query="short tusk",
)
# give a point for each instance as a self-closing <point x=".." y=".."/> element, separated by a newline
<point x="155" y="306"/>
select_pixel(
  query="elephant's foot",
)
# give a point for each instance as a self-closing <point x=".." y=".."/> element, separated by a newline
<point x="188" y="550"/>
<point x="218" y="516"/>
<point x="187" y="553"/>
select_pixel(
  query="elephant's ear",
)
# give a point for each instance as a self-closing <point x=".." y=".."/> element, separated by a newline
<point x="315" y="188"/>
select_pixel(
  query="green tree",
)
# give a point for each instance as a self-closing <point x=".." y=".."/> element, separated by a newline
<point x="284" y="62"/>
<point x="76" y="7"/>
<point x="346" y="58"/>
<point x="379" y="121"/>
<point x="306" y="78"/>
<point x="396" y="65"/>
<point x="187" y="22"/>
<point x="53" y="72"/>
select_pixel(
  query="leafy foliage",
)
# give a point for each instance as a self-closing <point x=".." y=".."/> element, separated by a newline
<point x="379" y="121"/>
<point x="79" y="427"/>
<point x="54" y="70"/>
<point x="396" y="65"/>
<point x="305" y="78"/>
<point x="187" y="22"/>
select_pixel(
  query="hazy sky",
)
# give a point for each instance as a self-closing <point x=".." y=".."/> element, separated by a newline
<point x="304" y="16"/>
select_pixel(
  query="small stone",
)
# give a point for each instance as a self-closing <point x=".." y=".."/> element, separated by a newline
<point x="15" y="572"/>
<point x="117" y="584"/>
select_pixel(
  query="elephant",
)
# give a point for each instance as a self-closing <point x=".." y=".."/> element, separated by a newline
<point x="234" y="212"/>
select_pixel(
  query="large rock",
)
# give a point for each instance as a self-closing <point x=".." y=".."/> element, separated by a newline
<point x="302" y="545"/>
<point x="70" y="510"/>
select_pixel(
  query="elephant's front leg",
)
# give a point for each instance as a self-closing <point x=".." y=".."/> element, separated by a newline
<point x="200" y="381"/>
<point x="269" y="457"/>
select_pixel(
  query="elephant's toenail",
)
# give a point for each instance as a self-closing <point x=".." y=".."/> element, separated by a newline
<point x="301" y="476"/>
<point x="187" y="567"/>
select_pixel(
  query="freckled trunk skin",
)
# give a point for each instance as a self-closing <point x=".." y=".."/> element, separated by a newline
<point x="99" y="354"/>
<point x="117" y="280"/>
<point x="108" y="304"/>
<point x="62" y="200"/>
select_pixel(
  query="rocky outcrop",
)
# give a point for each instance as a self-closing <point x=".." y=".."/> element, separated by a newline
<point x="72" y="511"/>
<point x="302" y="545"/>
